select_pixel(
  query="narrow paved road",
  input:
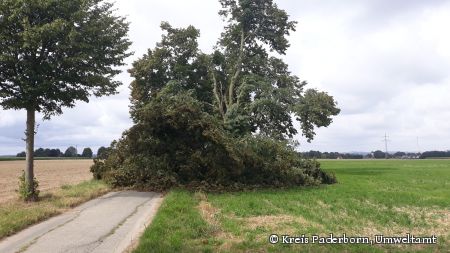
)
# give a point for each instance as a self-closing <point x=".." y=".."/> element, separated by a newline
<point x="107" y="224"/>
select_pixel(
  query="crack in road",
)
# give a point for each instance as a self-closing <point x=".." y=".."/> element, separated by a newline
<point x="114" y="229"/>
<point x="24" y="248"/>
<point x="77" y="214"/>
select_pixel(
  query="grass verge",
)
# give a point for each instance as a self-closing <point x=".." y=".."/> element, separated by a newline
<point x="391" y="198"/>
<point x="179" y="223"/>
<point x="16" y="215"/>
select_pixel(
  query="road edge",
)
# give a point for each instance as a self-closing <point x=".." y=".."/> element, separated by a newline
<point x="140" y="228"/>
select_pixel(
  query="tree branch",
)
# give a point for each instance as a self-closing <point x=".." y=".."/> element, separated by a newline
<point x="216" y="93"/>
<point x="238" y="70"/>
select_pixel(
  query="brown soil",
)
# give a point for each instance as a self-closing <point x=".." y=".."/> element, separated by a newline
<point x="51" y="174"/>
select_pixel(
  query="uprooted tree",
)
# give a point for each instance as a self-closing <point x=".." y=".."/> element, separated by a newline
<point x="221" y="120"/>
<point x="53" y="53"/>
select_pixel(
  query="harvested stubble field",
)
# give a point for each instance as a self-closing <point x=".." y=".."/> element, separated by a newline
<point x="51" y="174"/>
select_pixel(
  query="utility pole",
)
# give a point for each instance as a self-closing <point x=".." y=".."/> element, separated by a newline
<point x="418" y="147"/>
<point x="385" y="145"/>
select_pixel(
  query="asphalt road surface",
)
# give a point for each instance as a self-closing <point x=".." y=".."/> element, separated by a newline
<point x="111" y="223"/>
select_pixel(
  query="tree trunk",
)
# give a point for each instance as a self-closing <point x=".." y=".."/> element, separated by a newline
<point x="29" y="172"/>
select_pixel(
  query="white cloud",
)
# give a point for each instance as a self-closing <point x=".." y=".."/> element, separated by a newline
<point x="392" y="77"/>
<point x="385" y="62"/>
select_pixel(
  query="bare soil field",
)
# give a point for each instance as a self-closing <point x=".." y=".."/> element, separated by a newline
<point x="51" y="174"/>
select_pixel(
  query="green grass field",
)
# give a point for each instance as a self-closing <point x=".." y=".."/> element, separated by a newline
<point x="388" y="197"/>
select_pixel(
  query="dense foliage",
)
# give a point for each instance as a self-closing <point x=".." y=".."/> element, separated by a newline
<point x="71" y="152"/>
<point x="24" y="191"/>
<point x="87" y="152"/>
<point x="41" y="152"/>
<point x="56" y="52"/>
<point x="223" y="119"/>
<point x="177" y="143"/>
<point x="102" y="152"/>
<point x="435" y="154"/>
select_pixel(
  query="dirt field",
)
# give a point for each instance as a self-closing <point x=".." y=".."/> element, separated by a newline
<point x="50" y="174"/>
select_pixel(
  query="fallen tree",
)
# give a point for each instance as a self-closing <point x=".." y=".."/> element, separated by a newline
<point x="222" y="120"/>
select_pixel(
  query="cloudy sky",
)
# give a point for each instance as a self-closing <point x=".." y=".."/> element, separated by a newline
<point x="387" y="63"/>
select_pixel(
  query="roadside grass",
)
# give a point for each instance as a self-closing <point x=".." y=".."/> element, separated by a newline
<point x="16" y="215"/>
<point x="176" y="227"/>
<point x="388" y="197"/>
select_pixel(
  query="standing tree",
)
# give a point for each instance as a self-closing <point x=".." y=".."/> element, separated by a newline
<point x="379" y="154"/>
<point x="102" y="153"/>
<point x="252" y="90"/>
<point x="54" y="153"/>
<point x="54" y="53"/>
<point x="87" y="152"/>
<point x="21" y="154"/>
<point x="71" y="152"/>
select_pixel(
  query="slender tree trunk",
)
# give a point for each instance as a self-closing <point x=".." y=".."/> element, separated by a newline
<point x="29" y="172"/>
<point x="238" y="71"/>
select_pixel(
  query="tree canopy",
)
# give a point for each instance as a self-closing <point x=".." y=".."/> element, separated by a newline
<point x="40" y="152"/>
<point x="87" y="152"/>
<point x="56" y="52"/>
<point x="102" y="152"/>
<point x="71" y="152"/>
